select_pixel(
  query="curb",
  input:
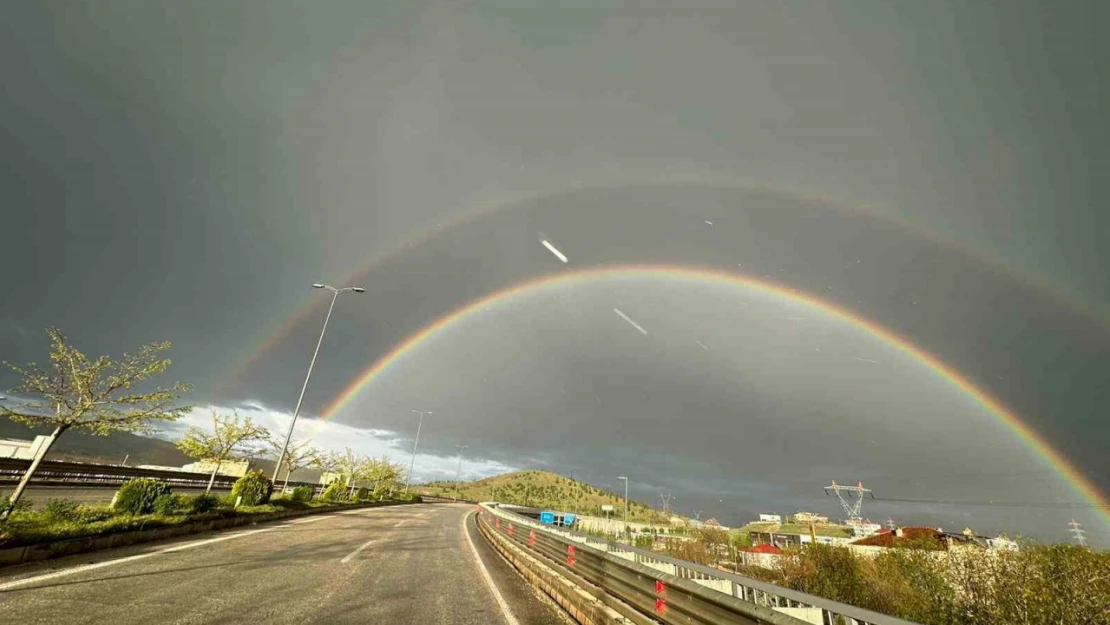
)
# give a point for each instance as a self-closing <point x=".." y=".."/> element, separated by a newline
<point x="85" y="544"/>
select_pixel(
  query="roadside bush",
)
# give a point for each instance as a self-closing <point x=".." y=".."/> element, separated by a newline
<point x="23" y="505"/>
<point x="361" y="494"/>
<point x="302" y="494"/>
<point x="137" y="496"/>
<point x="336" y="491"/>
<point x="171" y="504"/>
<point x="93" y="514"/>
<point x="254" y="487"/>
<point x="62" y="510"/>
<point x="203" y="503"/>
<point x="288" y="504"/>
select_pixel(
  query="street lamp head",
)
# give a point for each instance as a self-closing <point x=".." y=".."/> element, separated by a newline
<point x="317" y="286"/>
<point x="358" y="289"/>
<point x="621" y="477"/>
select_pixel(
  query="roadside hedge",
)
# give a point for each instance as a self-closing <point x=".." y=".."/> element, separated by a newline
<point x="137" y="496"/>
<point x="254" y="488"/>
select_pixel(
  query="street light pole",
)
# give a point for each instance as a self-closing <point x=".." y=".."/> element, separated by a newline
<point x="296" y="411"/>
<point x="458" y="473"/>
<point x="625" y="498"/>
<point x="415" y="442"/>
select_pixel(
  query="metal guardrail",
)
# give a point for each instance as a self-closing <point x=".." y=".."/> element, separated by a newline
<point x="668" y="589"/>
<point x="80" y="474"/>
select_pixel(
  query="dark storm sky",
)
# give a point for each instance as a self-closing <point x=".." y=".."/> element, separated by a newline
<point x="183" y="171"/>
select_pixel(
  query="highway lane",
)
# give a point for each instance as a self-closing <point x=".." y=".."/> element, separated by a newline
<point x="403" y="564"/>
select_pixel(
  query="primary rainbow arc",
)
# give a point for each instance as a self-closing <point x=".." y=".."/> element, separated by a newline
<point x="991" y="405"/>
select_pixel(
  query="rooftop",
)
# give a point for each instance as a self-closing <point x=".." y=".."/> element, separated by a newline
<point x="833" y="531"/>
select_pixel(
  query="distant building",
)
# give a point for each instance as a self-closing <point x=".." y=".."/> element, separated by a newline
<point x="863" y="527"/>
<point x="714" y="523"/>
<point x="159" y="467"/>
<point x="929" y="537"/>
<point x="809" y="517"/>
<point x="785" y="535"/>
<point x="770" y="518"/>
<point x="20" y="449"/>
<point x="763" y="555"/>
<point x="231" y="468"/>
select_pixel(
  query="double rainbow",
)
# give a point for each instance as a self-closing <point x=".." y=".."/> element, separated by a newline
<point x="1034" y="440"/>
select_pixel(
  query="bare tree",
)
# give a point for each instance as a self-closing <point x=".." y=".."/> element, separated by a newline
<point x="298" y="455"/>
<point x="100" y="396"/>
<point x="231" y="438"/>
<point x="327" y="462"/>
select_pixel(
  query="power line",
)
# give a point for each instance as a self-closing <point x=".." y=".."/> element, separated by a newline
<point x="1002" y="504"/>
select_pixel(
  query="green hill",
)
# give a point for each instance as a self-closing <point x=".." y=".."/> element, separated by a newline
<point x="78" y="446"/>
<point x="542" y="489"/>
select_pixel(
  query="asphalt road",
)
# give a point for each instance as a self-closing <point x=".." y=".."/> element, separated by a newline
<point x="405" y="564"/>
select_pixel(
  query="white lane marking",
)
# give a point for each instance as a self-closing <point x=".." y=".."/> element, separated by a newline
<point x="629" y="320"/>
<point x="557" y="253"/>
<point x="351" y="556"/>
<point x="505" y="611"/>
<point x="79" y="569"/>
<point x="311" y="519"/>
<point x="98" y="565"/>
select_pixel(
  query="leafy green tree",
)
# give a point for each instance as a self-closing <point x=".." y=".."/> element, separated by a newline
<point x="232" y="438"/>
<point x="98" y="395"/>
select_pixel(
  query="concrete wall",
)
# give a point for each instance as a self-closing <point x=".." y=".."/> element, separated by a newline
<point x="232" y="468"/>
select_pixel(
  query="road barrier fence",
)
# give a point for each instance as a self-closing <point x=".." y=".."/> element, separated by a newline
<point x="666" y="589"/>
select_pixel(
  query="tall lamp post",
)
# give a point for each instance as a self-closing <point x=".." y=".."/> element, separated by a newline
<point x="625" y="498"/>
<point x="458" y="473"/>
<point x="296" y="411"/>
<point x="415" y="442"/>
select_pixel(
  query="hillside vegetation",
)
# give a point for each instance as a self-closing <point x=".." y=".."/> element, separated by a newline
<point x="79" y="446"/>
<point x="543" y="489"/>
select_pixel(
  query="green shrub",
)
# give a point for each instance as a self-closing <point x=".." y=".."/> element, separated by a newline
<point x="303" y="494"/>
<point x="361" y="494"/>
<point x="204" y="503"/>
<point x="254" y="488"/>
<point x="336" y="491"/>
<point x="171" y="504"/>
<point x="93" y="514"/>
<point x="62" y="510"/>
<point x="137" y="496"/>
<point x="288" y="504"/>
<point x="23" y="505"/>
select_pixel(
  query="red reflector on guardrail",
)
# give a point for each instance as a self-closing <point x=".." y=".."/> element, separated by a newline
<point x="532" y="538"/>
<point x="660" y="597"/>
<point x="570" y="555"/>
<point x="497" y="522"/>
<point x="510" y="529"/>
